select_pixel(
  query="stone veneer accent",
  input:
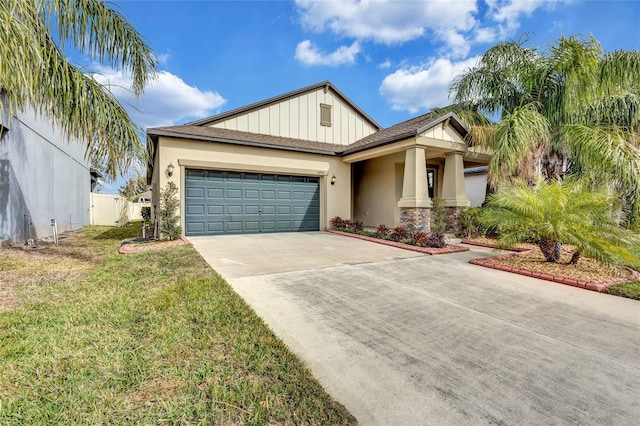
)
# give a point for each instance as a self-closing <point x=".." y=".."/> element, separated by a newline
<point x="453" y="213"/>
<point x="416" y="218"/>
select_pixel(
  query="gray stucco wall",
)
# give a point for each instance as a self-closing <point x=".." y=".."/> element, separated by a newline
<point x="41" y="175"/>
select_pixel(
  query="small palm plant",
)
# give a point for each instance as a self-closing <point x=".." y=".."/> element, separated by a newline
<point x="560" y="212"/>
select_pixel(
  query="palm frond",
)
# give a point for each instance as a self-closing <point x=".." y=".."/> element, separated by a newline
<point x="35" y="72"/>
<point x="517" y="134"/>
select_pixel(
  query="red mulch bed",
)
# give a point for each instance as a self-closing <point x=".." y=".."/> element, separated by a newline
<point x="426" y="250"/>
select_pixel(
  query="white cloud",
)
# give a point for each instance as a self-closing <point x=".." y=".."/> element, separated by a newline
<point x="385" y="65"/>
<point x="416" y="88"/>
<point x="386" y="21"/>
<point x="309" y="54"/>
<point x="166" y="101"/>
<point x="394" y="22"/>
<point x="508" y="13"/>
<point x="455" y="25"/>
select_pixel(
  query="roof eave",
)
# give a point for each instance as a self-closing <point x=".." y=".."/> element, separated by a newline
<point x="168" y="133"/>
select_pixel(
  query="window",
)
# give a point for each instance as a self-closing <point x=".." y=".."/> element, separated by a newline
<point x="325" y="115"/>
<point x="431" y="181"/>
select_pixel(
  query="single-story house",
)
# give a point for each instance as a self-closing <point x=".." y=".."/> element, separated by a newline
<point x="294" y="161"/>
<point x="43" y="176"/>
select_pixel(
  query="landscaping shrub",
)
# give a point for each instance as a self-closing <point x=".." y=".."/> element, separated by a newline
<point x="399" y="233"/>
<point x="382" y="231"/>
<point x="419" y="238"/>
<point x="470" y="224"/>
<point x="346" y="225"/>
<point x="438" y="215"/>
<point x="436" y="240"/>
<point x="337" y="222"/>
<point x="169" y="220"/>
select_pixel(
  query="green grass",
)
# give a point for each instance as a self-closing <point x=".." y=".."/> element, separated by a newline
<point x="151" y="338"/>
<point x="630" y="289"/>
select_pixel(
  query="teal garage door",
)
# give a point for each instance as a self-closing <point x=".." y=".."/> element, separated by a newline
<point x="222" y="202"/>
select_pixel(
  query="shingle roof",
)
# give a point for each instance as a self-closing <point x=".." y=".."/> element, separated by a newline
<point x="214" y="134"/>
<point x="404" y="130"/>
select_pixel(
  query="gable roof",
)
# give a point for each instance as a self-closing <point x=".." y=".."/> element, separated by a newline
<point x="327" y="85"/>
<point x="406" y="129"/>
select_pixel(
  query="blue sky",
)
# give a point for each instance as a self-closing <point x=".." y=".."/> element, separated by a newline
<point x="394" y="59"/>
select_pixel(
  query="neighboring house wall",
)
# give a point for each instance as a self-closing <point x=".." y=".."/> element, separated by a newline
<point x="299" y="118"/>
<point x="475" y="183"/>
<point x="42" y="175"/>
<point x="184" y="153"/>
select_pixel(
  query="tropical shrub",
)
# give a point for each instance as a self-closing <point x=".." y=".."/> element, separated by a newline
<point x="419" y="238"/>
<point x="382" y="231"/>
<point x="470" y="224"/>
<point x="436" y="239"/>
<point x="337" y="222"/>
<point x="399" y="233"/>
<point x="560" y="212"/>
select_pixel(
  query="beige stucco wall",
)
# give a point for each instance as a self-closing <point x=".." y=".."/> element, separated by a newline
<point x="377" y="188"/>
<point x="299" y="117"/>
<point x="184" y="153"/>
<point x="375" y="191"/>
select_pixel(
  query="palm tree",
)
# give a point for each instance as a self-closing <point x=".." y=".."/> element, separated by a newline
<point x="573" y="109"/>
<point x="565" y="211"/>
<point x="35" y="71"/>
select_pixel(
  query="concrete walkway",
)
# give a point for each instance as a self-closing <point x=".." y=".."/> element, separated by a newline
<point x="403" y="338"/>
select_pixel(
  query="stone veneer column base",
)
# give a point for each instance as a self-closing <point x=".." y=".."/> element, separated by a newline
<point x="452" y="218"/>
<point x="416" y="218"/>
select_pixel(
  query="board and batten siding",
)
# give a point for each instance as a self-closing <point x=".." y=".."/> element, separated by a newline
<point x="299" y="118"/>
<point x="442" y="132"/>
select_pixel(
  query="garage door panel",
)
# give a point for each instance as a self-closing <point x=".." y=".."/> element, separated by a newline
<point x="214" y="210"/>
<point x="195" y="209"/>
<point x="218" y="202"/>
<point x="194" y="227"/>
<point x="215" y="227"/>
<point x="215" y="193"/>
<point x="195" y="192"/>
<point x="268" y="209"/>
<point x="251" y="194"/>
<point x="268" y="195"/>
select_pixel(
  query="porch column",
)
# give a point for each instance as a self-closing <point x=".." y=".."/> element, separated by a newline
<point x="453" y="190"/>
<point x="415" y="204"/>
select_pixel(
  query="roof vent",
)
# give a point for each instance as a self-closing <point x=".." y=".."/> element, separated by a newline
<point x="325" y="115"/>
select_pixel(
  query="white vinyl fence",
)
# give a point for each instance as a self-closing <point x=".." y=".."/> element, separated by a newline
<point x="107" y="210"/>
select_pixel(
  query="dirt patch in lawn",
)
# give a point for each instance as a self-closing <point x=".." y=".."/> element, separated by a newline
<point x="140" y="245"/>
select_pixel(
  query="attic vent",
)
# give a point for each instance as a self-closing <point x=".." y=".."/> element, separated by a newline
<point x="325" y="115"/>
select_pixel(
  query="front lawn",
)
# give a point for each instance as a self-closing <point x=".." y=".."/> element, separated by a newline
<point x="629" y="289"/>
<point x="91" y="336"/>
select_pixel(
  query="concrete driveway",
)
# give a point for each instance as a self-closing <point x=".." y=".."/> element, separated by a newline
<point x="403" y="338"/>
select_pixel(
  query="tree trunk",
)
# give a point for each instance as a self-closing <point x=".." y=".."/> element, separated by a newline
<point x="550" y="248"/>
<point x="575" y="257"/>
